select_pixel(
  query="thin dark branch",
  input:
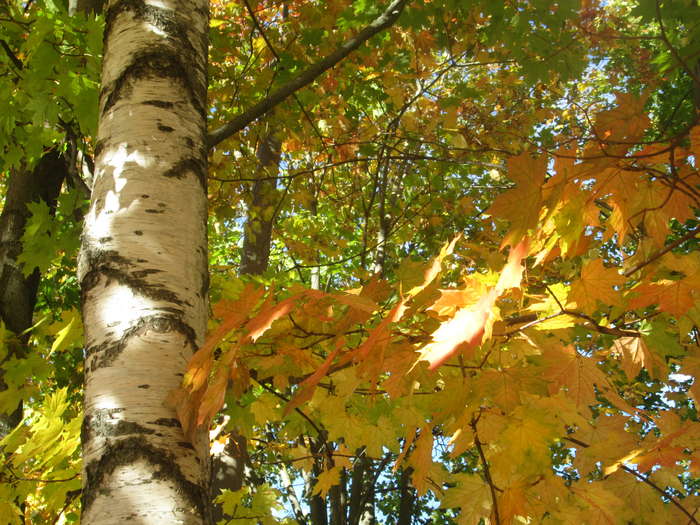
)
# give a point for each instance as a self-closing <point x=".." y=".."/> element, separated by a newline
<point x="673" y="50"/>
<point x="692" y="233"/>
<point x="644" y="479"/>
<point x="487" y="472"/>
<point x="16" y="61"/>
<point x="385" y="20"/>
<point x="269" y="45"/>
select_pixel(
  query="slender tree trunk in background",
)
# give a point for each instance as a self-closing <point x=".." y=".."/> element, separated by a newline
<point x="406" y="496"/>
<point x="317" y="504"/>
<point x="257" y="235"/>
<point x="143" y="267"/>
<point x="337" y="496"/>
<point x="17" y="292"/>
<point x="361" y="504"/>
<point x="368" y="516"/>
<point x="232" y="467"/>
<point x="315" y="277"/>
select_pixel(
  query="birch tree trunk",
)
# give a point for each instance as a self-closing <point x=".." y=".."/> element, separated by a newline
<point x="143" y="266"/>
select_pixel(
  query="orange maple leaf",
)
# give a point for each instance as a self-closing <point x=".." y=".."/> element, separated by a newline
<point x="673" y="297"/>
<point x="577" y="374"/>
<point x="596" y="284"/>
<point x="461" y="333"/>
<point x="521" y="205"/>
<point x="634" y="355"/>
<point x="466" y="329"/>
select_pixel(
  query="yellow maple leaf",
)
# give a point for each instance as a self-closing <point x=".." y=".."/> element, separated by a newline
<point x="326" y="480"/>
<point x="470" y="494"/>
<point x="421" y="460"/>
<point x="604" y="505"/>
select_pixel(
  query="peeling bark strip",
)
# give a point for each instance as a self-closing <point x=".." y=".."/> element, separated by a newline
<point x="143" y="267"/>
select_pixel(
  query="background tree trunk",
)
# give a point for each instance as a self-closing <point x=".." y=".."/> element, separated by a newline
<point x="257" y="234"/>
<point x="17" y="292"/>
<point x="143" y="267"/>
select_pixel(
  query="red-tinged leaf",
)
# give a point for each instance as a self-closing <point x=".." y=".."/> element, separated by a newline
<point x="213" y="399"/>
<point x="662" y="456"/>
<point x="452" y="300"/>
<point x="247" y="300"/>
<point x="381" y="334"/>
<point x="695" y="141"/>
<point x="512" y="274"/>
<point x="461" y="333"/>
<point x="673" y="297"/>
<point x="466" y="329"/>
<point x="234" y="314"/>
<point x="691" y="366"/>
<point x="634" y="355"/>
<point x="263" y="321"/>
<point x="358" y="302"/>
<point x="307" y="387"/>
<point x="197" y="371"/>
<point x="577" y="374"/>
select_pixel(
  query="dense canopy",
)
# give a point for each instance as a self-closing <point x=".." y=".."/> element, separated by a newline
<point x="453" y="257"/>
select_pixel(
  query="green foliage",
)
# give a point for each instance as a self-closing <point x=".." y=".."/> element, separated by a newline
<point x="41" y="461"/>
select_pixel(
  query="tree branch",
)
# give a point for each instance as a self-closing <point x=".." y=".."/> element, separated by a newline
<point x="644" y="479"/>
<point x="10" y="54"/>
<point x="675" y="244"/>
<point x="487" y="471"/>
<point x="383" y="21"/>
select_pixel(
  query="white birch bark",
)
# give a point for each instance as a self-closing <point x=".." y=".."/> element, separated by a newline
<point x="143" y="266"/>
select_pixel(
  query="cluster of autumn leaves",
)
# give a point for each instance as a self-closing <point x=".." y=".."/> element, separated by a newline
<point x="558" y="346"/>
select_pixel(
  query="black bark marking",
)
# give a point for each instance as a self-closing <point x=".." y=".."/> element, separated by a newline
<point x="159" y="104"/>
<point x="185" y="444"/>
<point x="126" y="451"/>
<point x="151" y="210"/>
<point x="104" y="239"/>
<point x="89" y="423"/>
<point x="166" y="129"/>
<point x="166" y="422"/>
<point x="172" y="310"/>
<point x="189" y="164"/>
<point x="143" y="273"/>
<point x="144" y="196"/>
<point x="110" y="264"/>
<point x="99" y="146"/>
<point x="158" y="62"/>
<point x="138" y="232"/>
<point x="104" y="354"/>
<point x="164" y="19"/>
<point x="101" y="423"/>
<point x="144" y="386"/>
